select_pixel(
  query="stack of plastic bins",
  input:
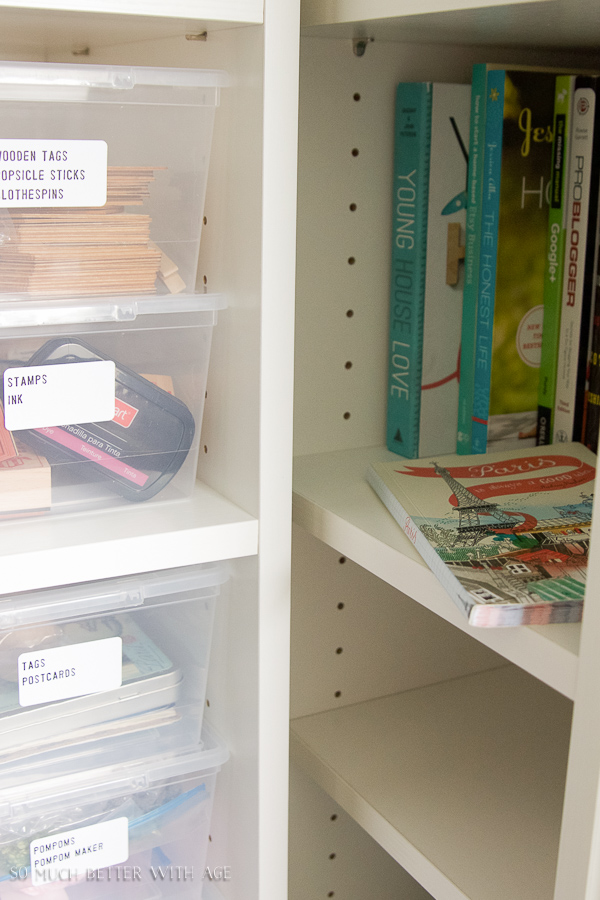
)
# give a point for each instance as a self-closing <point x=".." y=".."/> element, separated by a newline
<point x="104" y="346"/>
<point x="136" y="829"/>
<point x="104" y="352"/>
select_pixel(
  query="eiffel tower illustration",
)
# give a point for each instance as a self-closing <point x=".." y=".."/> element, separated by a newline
<point x="469" y="509"/>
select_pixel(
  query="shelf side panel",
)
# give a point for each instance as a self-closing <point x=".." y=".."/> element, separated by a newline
<point x="355" y="638"/>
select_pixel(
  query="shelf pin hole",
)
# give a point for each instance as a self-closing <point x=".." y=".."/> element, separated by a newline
<point x="359" y="45"/>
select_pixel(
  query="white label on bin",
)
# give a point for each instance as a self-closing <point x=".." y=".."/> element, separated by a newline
<point x="71" y="855"/>
<point x="63" y="394"/>
<point x="52" y="173"/>
<point x="71" y="671"/>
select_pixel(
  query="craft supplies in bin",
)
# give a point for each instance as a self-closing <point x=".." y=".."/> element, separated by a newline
<point x="132" y="828"/>
<point x="103" y="173"/>
<point x="107" y="658"/>
<point x="102" y="401"/>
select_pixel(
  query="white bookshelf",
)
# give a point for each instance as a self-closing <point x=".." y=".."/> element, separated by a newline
<point x="241" y="507"/>
<point x="404" y="655"/>
<point x="381" y="722"/>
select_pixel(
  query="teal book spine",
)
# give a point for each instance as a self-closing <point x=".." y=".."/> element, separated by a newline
<point x="472" y="238"/>
<point x="409" y="247"/>
<point x="490" y="210"/>
<point x="554" y="264"/>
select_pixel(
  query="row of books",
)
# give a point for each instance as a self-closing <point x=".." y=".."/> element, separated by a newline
<point x="495" y="338"/>
<point x="500" y="177"/>
<point x="569" y="366"/>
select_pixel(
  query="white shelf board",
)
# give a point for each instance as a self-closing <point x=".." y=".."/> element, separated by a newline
<point x="333" y="501"/>
<point x="225" y="10"/>
<point x="460" y="782"/>
<point x="140" y="537"/>
<point x="323" y="12"/>
<point x="527" y="23"/>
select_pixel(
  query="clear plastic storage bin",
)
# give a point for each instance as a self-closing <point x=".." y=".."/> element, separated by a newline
<point x="103" y="174"/>
<point x="107" y="658"/>
<point x="132" y="829"/>
<point x="102" y="401"/>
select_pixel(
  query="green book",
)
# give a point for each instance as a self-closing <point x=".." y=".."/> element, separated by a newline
<point x="554" y="263"/>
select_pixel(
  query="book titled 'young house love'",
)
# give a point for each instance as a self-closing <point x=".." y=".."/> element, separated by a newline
<point x="507" y="534"/>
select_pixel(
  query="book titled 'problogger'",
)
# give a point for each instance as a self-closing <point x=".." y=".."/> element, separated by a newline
<point x="430" y="177"/>
<point x="580" y="269"/>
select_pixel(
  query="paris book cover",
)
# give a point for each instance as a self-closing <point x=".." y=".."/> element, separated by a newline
<point x="507" y="534"/>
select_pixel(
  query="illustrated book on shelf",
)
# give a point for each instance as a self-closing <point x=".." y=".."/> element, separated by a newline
<point x="430" y="199"/>
<point x="507" y="535"/>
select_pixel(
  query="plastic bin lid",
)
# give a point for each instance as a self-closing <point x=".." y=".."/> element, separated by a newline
<point x="93" y="597"/>
<point x="27" y="789"/>
<point x="118" y="77"/>
<point x="16" y="312"/>
<point x="159" y="732"/>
